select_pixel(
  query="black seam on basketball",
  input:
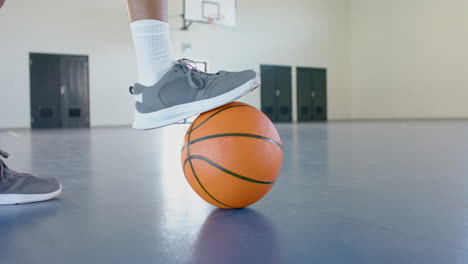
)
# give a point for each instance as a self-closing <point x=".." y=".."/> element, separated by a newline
<point x="190" y="158"/>
<point x="234" y="135"/>
<point x="214" y="114"/>
<point x="198" y="180"/>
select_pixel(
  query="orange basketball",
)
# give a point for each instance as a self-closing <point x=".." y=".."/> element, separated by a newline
<point x="232" y="155"/>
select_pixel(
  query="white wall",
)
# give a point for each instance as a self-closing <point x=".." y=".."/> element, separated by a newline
<point x="386" y="58"/>
<point x="72" y="27"/>
<point x="312" y="33"/>
<point x="409" y="59"/>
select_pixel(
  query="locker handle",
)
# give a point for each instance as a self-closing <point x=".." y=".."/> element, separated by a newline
<point x="62" y="90"/>
<point x="312" y="94"/>
<point x="278" y="92"/>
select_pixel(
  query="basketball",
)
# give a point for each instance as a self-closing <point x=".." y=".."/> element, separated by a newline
<point x="232" y="155"/>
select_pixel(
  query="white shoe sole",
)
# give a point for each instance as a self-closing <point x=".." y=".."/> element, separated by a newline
<point x="8" y="199"/>
<point x="180" y="112"/>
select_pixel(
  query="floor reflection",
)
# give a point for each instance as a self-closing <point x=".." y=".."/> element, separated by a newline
<point x="19" y="225"/>
<point x="236" y="236"/>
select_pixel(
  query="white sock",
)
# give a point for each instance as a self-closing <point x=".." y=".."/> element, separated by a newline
<point x="153" y="50"/>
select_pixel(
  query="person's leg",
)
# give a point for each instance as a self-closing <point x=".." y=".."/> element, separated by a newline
<point x="147" y="9"/>
<point x="169" y="91"/>
<point x="151" y="37"/>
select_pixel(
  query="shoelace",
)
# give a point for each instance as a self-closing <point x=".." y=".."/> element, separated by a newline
<point x="188" y="66"/>
<point x="5" y="172"/>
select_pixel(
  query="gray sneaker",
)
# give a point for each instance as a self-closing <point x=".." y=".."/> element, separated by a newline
<point x="19" y="188"/>
<point x="185" y="91"/>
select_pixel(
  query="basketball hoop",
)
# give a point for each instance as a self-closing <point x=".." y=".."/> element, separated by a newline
<point x="211" y="12"/>
<point x="211" y="20"/>
<point x="214" y="20"/>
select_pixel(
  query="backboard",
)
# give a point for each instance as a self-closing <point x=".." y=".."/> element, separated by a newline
<point x="219" y="12"/>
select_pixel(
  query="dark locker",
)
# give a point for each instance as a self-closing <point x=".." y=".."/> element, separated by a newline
<point x="59" y="91"/>
<point x="311" y="94"/>
<point x="276" y="92"/>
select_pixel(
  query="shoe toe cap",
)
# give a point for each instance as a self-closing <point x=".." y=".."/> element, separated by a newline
<point x="36" y="185"/>
<point x="241" y="76"/>
<point x="248" y="74"/>
<point x="233" y="80"/>
<point x="244" y="76"/>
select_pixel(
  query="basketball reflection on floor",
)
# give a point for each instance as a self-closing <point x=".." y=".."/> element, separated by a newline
<point x="236" y="236"/>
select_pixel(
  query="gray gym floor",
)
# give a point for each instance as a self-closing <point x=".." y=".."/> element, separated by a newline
<point x="383" y="192"/>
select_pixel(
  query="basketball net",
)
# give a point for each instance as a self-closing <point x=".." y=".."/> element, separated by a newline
<point x="215" y="21"/>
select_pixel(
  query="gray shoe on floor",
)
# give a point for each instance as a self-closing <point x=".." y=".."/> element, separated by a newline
<point x="19" y="188"/>
<point x="185" y="91"/>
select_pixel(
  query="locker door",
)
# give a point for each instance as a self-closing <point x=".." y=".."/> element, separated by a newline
<point x="74" y="91"/>
<point x="304" y="90"/>
<point x="44" y="90"/>
<point x="319" y="95"/>
<point x="267" y="90"/>
<point x="276" y="92"/>
<point x="311" y="94"/>
<point x="283" y="94"/>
